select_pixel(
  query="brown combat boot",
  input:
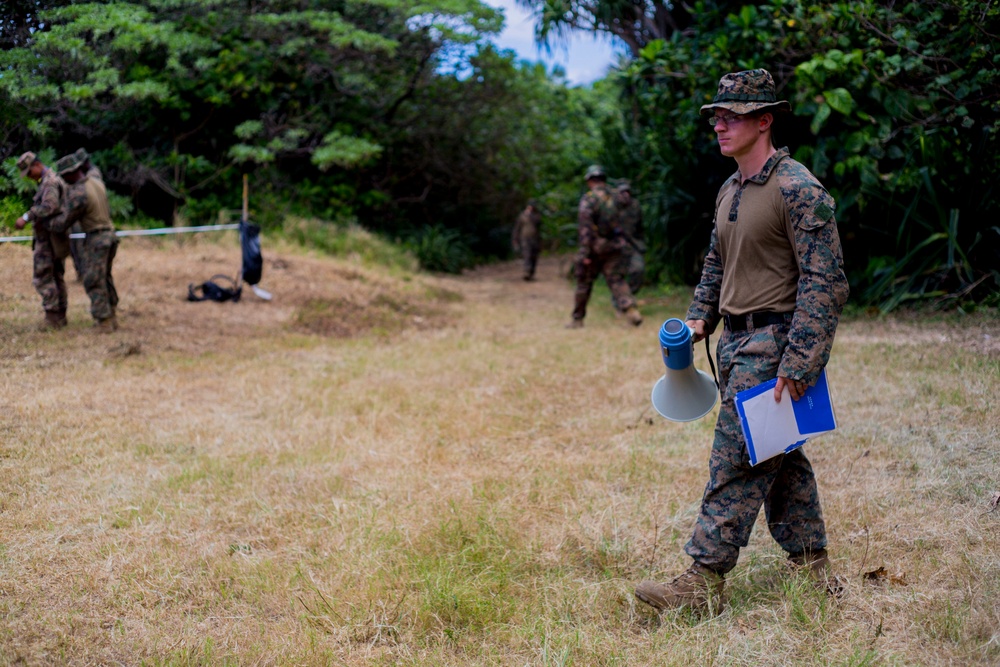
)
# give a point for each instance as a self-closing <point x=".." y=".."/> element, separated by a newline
<point x="817" y="566"/>
<point x="107" y="325"/>
<point x="633" y="316"/>
<point x="699" y="589"/>
<point x="54" y="319"/>
<point x="575" y="324"/>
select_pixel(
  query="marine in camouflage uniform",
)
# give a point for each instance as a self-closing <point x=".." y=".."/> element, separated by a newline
<point x="774" y="278"/>
<point x="630" y="216"/>
<point x="49" y="247"/>
<point x="601" y="242"/>
<point x="76" y="245"/>
<point x="86" y="202"/>
<point x="527" y="238"/>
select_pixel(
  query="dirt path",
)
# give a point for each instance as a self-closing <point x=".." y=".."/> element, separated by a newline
<point x="341" y="299"/>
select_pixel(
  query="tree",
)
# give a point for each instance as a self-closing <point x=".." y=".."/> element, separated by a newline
<point x="895" y="108"/>
<point x="635" y="22"/>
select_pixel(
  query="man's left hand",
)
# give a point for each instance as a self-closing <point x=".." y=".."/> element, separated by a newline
<point x="796" y="389"/>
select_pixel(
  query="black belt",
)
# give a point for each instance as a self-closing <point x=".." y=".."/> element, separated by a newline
<point x="755" y="320"/>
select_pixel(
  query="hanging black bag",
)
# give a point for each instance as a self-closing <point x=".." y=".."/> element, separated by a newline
<point x="253" y="263"/>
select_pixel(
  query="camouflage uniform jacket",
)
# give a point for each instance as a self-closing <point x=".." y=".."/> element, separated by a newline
<point x="48" y="201"/>
<point x="597" y="219"/>
<point x="630" y="215"/>
<point x="527" y="229"/>
<point x="802" y="235"/>
<point x="86" y="201"/>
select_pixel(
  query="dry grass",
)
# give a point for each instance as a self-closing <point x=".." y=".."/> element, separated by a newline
<point x="380" y="468"/>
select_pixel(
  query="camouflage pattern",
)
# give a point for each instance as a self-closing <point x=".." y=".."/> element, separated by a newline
<point x="86" y="202"/>
<point x="784" y="485"/>
<point x="798" y="349"/>
<point x="822" y="289"/>
<point x="527" y="238"/>
<point x="630" y="217"/>
<point x="747" y="91"/>
<point x="601" y="241"/>
<point x="25" y="161"/>
<point x="594" y="171"/>
<point x="76" y="245"/>
<point x="48" y="246"/>
<point x="99" y="250"/>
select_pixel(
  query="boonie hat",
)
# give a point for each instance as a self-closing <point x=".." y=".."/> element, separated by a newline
<point x="68" y="163"/>
<point x="624" y="185"/>
<point x="747" y="91"/>
<point x="81" y="155"/>
<point x="594" y="171"/>
<point x="25" y="161"/>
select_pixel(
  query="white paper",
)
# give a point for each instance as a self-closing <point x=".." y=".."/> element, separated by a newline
<point x="772" y="428"/>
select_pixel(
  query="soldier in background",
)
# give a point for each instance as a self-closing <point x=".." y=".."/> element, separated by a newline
<point x="76" y="245"/>
<point x="527" y="238"/>
<point x="630" y="215"/>
<point x="86" y="202"/>
<point x="49" y="248"/>
<point x="601" y="242"/>
<point x="774" y="277"/>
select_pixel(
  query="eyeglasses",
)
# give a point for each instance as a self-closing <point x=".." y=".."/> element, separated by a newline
<point x="728" y="119"/>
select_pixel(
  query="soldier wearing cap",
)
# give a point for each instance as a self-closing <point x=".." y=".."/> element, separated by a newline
<point x="630" y="215"/>
<point x="49" y="247"/>
<point x="601" y="242"/>
<point x="76" y="244"/>
<point x="774" y="278"/>
<point x="86" y="202"/>
<point x="526" y="238"/>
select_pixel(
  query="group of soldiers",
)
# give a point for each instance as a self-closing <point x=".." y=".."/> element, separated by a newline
<point x="71" y="198"/>
<point x="611" y="243"/>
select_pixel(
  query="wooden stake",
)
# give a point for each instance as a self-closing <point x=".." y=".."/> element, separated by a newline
<point x="246" y="200"/>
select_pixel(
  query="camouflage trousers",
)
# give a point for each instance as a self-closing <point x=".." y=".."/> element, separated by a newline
<point x="784" y="485"/>
<point x="530" y="252"/>
<point x="635" y="269"/>
<point x="48" y="272"/>
<point x="607" y="264"/>
<point x="99" y="249"/>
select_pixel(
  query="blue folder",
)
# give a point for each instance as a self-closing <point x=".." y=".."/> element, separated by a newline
<point x="773" y="428"/>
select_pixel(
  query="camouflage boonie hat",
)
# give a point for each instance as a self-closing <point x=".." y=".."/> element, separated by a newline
<point x="747" y="91"/>
<point x="68" y="164"/>
<point x="624" y="185"/>
<point x="25" y="161"/>
<point x="81" y="155"/>
<point x="594" y="171"/>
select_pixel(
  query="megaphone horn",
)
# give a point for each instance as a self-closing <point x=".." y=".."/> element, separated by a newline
<point x="684" y="393"/>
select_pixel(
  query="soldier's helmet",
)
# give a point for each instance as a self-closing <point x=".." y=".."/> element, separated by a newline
<point x="747" y="91"/>
<point x="68" y="164"/>
<point x="25" y="161"/>
<point x="595" y="171"/>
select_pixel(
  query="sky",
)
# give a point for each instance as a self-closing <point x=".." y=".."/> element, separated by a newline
<point x="585" y="59"/>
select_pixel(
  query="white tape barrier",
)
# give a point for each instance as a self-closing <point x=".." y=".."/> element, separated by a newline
<point x="138" y="232"/>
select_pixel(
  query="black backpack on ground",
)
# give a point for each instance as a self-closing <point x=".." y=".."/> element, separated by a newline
<point x="211" y="290"/>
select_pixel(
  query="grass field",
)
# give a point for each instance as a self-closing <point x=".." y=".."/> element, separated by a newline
<point x="384" y="468"/>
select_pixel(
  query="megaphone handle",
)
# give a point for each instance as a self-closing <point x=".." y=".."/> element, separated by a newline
<point x="708" y="351"/>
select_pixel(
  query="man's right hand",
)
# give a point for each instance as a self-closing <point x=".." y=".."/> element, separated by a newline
<point x="697" y="328"/>
<point x="21" y="222"/>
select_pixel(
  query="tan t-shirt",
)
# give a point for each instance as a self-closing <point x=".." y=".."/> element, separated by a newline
<point x="757" y="246"/>
<point x="97" y="215"/>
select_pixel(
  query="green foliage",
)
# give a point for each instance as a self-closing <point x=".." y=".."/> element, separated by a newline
<point x="439" y="248"/>
<point x="390" y="112"/>
<point x="895" y="109"/>
<point x="348" y="240"/>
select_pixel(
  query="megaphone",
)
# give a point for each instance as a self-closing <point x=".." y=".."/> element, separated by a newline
<point x="684" y="393"/>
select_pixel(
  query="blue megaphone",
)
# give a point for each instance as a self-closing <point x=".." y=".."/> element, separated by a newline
<point x="684" y="393"/>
